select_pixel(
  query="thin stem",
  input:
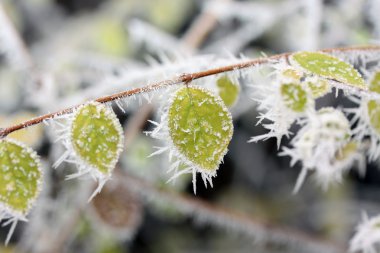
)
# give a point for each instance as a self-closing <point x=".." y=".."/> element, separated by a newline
<point x="184" y="78"/>
<point x="229" y="219"/>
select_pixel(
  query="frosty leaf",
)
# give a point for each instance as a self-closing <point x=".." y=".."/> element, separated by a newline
<point x="294" y="97"/>
<point x="228" y="90"/>
<point x="20" y="177"/>
<point x="319" y="88"/>
<point x="329" y="67"/>
<point x="292" y="74"/>
<point x="373" y="108"/>
<point x="200" y="127"/>
<point x="347" y="151"/>
<point x="375" y="83"/>
<point x="97" y="136"/>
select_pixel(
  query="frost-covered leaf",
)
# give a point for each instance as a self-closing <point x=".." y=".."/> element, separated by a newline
<point x="291" y="73"/>
<point x="294" y="96"/>
<point x="319" y="87"/>
<point x="375" y="83"/>
<point x="20" y="178"/>
<point x="228" y="90"/>
<point x="97" y="136"/>
<point x="200" y="127"/>
<point x="329" y="67"/>
<point x="373" y="108"/>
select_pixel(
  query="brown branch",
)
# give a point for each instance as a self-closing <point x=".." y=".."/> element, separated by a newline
<point x="228" y="219"/>
<point x="184" y="78"/>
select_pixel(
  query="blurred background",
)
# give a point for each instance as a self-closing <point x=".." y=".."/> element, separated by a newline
<point x="58" y="53"/>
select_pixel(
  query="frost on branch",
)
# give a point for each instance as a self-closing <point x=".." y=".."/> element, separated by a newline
<point x="198" y="128"/>
<point x="20" y="181"/>
<point x="367" y="236"/>
<point x="329" y="67"/>
<point x="94" y="140"/>
<point x="323" y="146"/>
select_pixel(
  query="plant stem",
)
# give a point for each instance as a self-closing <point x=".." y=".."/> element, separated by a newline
<point x="228" y="219"/>
<point x="183" y="78"/>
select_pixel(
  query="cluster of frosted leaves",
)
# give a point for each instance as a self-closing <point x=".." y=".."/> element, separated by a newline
<point x="228" y="90"/>
<point x="284" y="101"/>
<point x="199" y="128"/>
<point x="324" y="146"/>
<point x="367" y="236"/>
<point x="329" y="67"/>
<point x="20" y="181"/>
<point x="95" y="142"/>
<point x="366" y="118"/>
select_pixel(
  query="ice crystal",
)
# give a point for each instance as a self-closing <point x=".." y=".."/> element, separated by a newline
<point x="367" y="236"/>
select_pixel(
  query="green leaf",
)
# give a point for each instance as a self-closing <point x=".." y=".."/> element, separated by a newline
<point x="373" y="108"/>
<point x="20" y="176"/>
<point x="319" y="87"/>
<point x="228" y="90"/>
<point x="375" y="83"/>
<point x="294" y="96"/>
<point x="329" y="67"/>
<point x="97" y="136"/>
<point x="200" y="127"/>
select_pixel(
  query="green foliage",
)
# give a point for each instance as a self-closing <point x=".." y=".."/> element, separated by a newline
<point x="319" y="88"/>
<point x="373" y="108"/>
<point x="329" y="67"/>
<point x="228" y="90"/>
<point x="20" y="176"/>
<point x="375" y="83"/>
<point x="200" y="126"/>
<point x="294" y="96"/>
<point x="97" y="136"/>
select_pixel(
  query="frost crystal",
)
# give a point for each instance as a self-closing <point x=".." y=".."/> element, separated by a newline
<point x="94" y="140"/>
<point x="367" y="236"/>
<point x="366" y="117"/>
<point x="283" y="101"/>
<point x="323" y="146"/>
<point x="20" y="181"/>
<point x="198" y="128"/>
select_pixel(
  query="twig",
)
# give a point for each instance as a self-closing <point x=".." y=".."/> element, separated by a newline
<point x="200" y="28"/>
<point x="229" y="219"/>
<point x="184" y="78"/>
